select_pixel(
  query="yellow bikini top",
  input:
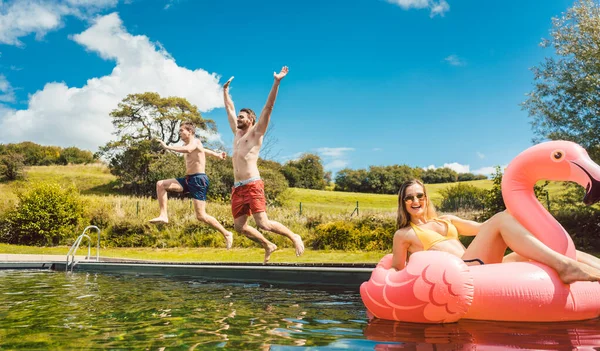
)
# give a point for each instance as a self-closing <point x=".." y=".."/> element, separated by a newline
<point x="429" y="237"/>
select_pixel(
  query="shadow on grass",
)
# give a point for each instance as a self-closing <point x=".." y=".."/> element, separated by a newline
<point x="111" y="188"/>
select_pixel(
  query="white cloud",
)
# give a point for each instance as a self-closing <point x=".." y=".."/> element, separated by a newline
<point x="376" y="149"/>
<point x="333" y="151"/>
<point x="336" y="164"/>
<point x="334" y="158"/>
<point x="7" y="93"/>
<point x="170" y="3"/>
<point x="436" y="7"/>
<point x="459" y="168"/>
<point x="480" y="155"/>
<point x="455" y="166"/>
<point x="293" y="157"/>
<point x="210" y="137"/>
<point x="439" y="8"/>
<point x="454" y="60"/>
<point x="488" y="170"/>
<point x="19" y="18"/>
<point x="79" y="116"/>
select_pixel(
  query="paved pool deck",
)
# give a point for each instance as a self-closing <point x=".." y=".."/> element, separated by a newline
<point x="345" y="276"/>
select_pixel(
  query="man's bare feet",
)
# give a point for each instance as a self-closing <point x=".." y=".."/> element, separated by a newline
<point x="573" y="271"/>
<point x="298" y="244"/>
<point x="228" y="239"/>
<point x="159" y="219"/>
<point x="268" y="251"/>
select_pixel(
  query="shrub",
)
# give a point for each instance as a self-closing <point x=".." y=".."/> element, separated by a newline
<point x="45" y="215"/>
<point x="12" y="166"/>
<point x="367" y="233"/>
<point x="129" y="234"/>
<point x="462" y="197"/>
<point x="583" y="224"/>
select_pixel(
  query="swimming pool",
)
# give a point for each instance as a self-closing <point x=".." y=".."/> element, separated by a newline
<point x="43" y="309"/>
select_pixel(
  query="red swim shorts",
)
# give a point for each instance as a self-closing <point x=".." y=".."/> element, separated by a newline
<point x="248" y="199"/>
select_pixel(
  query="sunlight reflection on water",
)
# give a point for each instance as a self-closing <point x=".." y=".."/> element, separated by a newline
<point x="51" y="310"/>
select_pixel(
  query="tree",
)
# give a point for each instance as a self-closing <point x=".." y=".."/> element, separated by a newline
<point x="464" y="177"/>
<point x="139" y="119"/>
<point x="12" y="166"/>
<point x="75" y="156"/>
<point x="307" y="172"/>
<point x="439" y="175"/>
<point x="565" y="102"/>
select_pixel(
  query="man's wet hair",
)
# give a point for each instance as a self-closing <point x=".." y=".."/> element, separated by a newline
<point x="189" y="126"/>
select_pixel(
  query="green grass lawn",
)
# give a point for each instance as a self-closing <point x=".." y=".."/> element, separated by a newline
<point x="250" y="255"/>
<point x="96" y="180"/>
<point x="337" y="201"/>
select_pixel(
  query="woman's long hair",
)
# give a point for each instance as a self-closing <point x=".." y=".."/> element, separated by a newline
<point x="403" y="217"/>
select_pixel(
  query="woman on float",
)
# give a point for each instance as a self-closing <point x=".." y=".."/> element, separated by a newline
<point x="420" y="229"/>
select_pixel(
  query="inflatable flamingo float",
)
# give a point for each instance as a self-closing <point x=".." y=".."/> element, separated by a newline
<point x="437" y="287"/>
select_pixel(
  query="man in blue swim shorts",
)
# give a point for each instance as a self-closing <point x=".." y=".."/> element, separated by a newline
<point x="195" y="182"/>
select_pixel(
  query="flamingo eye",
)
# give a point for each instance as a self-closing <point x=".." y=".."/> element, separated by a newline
<point x="557" y="155"/>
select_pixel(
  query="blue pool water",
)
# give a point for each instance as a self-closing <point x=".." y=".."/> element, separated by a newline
<point x="48" y="310"/>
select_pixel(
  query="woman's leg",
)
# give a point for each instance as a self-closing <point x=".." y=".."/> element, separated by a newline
<point x="503" y="230"/>
<point x="581" y="256"/>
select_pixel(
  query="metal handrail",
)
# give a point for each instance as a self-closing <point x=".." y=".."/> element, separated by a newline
<point x="76" y="244"/>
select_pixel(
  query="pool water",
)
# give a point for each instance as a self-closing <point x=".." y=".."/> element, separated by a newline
<point x="48" y="310"/>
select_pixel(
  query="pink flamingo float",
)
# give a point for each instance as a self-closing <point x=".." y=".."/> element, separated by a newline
<point x="436" y="287"/>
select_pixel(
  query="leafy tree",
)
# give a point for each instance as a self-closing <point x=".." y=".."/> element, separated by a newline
<point x="378" y="179"/>
<point x="139" y="119"/>
<point x="307" y="172"/>
<point x="75" y="156"/>
<point x="494" y="202"/>
<point x="12" y="166"/>
<point x="565" y="102"/>
<point x="439" y="175"/>
<point x="464" y="177"/>
<point x="351" y="180"/>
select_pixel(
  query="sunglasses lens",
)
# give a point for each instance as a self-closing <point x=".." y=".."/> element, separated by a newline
<point x="413" y="198"/>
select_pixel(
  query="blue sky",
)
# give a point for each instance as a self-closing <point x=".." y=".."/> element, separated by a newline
<point x="372" y="82"/>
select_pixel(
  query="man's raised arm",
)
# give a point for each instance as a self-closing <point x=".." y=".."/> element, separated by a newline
<point x="229" y="107"/>
<point x="265" y="115"/>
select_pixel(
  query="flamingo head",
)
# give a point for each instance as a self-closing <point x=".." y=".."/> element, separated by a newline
<point x="562" y="161"/>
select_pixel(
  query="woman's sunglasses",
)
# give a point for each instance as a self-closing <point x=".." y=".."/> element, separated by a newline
<point x="412" y="198"/>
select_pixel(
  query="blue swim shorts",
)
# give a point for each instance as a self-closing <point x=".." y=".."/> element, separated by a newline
<point x="196" y="185"/>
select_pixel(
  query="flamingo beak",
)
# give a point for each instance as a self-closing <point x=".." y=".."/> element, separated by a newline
<point x="592" y="189"/>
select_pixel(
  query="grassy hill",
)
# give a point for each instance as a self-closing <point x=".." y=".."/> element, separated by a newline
<point x="97" y="180"/>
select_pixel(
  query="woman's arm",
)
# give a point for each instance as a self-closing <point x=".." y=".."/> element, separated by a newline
<point x="465" y="227"/>
<point x="400" y="249"/>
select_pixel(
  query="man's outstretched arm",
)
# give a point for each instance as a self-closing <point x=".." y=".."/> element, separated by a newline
<point x="185" y="149"/>
<point x="220" y="155"/>
<point x="229" y="107"/>
<point x="265" y="115"/>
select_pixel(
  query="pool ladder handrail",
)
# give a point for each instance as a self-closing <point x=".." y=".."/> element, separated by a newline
<point x="76" y="244"/>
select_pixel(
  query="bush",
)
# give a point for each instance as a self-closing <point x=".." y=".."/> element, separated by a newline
<point x="368" y="233"/>
<point x="12" y="166"/>
<point x="129" y="234"/>
<point x="583" y="224"/>
<point x="462" y="196"/>
<point x="46" y="214"/>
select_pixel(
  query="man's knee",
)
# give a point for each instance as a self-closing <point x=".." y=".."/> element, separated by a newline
<point x="240" y="228"/>
<point x="202" y="217"/>
<point x="160" y="184"/>
<point x="264" y="225"/>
